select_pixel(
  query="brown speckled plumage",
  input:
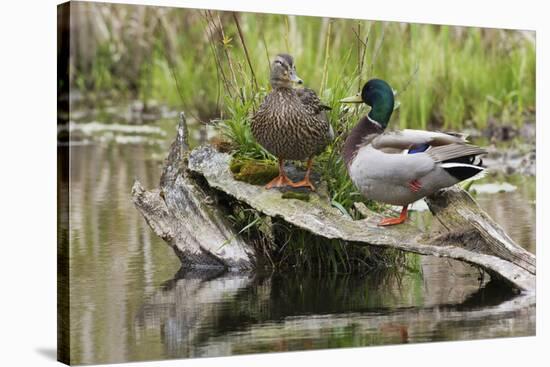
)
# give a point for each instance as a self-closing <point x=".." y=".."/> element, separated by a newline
<point x="291" y="124"/>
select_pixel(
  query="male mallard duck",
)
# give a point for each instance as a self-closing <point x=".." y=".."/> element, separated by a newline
<point x="401" y="167"/>
<point x="291" y="123"/>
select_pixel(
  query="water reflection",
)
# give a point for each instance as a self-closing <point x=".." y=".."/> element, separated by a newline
<point x="222" y="314"/>
<point x="123" y="309"/>
<point x="114" y="258"/>
<point x="514" y="211"/>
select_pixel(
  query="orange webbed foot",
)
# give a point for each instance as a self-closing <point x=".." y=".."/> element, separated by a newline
<point x="280" y="181"/>
<point x="306" y="182"/>
<point x="393" y="221"/>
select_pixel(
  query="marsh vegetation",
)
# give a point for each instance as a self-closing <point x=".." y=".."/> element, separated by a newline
<point x="200" y="61"/>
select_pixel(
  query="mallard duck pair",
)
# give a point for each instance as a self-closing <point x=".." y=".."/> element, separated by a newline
<point x="393" y="167"/>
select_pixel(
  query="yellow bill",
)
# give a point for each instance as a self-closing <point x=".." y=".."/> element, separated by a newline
<point x="353" y="99"/>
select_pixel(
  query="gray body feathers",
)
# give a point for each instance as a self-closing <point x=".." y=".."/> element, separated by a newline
<point x="382" y="169"/>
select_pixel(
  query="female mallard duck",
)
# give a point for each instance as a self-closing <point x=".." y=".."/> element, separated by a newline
<point x="401" y="167"/>
<point x="291" y="123"/>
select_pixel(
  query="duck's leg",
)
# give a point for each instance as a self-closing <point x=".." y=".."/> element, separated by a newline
<point x="306" y="181"/>
<point x="391" y="221"/>
<point x="281" y="180"/>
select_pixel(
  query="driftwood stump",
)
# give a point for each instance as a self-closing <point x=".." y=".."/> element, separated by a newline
<point x="180" y="213"/>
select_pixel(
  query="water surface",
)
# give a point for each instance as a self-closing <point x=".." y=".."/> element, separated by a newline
<point x="130" y="301"/>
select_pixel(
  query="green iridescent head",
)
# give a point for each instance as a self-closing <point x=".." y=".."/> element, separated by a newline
<point x="379" y="95"/>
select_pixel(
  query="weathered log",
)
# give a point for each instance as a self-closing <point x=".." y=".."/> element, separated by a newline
<point x="319" y="217"/>
<point x="458" y="212"/>
<point x="180" y="213"/>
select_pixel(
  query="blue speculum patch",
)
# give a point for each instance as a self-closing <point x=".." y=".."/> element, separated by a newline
<point x="419" y="148"/>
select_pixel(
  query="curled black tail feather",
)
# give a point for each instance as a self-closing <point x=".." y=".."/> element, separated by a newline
<point x="463" y="168"/>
